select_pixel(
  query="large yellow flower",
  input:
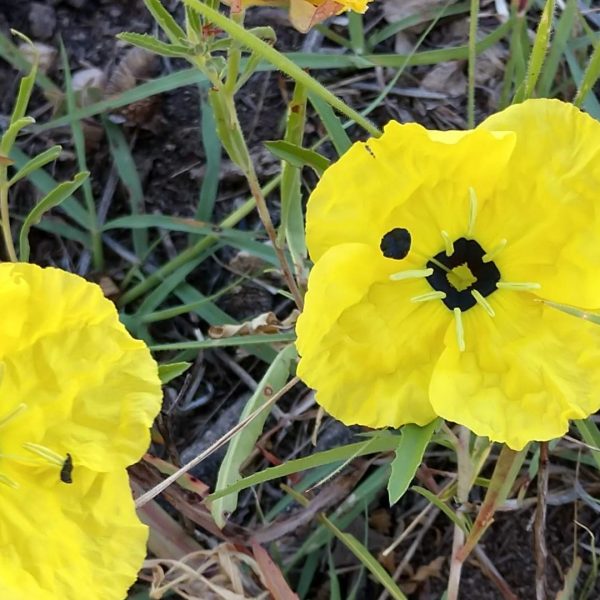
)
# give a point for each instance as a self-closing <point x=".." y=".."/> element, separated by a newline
<point x="77" y="397"/>
<point x="437" y="254"/>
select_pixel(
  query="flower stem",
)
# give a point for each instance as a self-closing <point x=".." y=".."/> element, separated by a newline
<point x="507" y="468"/>
<point x="539" y="530"/>
<point x="474" y="16"/>
<point x="5" y="215"/>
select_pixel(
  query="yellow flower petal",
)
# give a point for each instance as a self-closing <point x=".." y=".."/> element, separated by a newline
<point x="365" y="347"/>
<point x="410" y="177"/>
<point x="69" y="541"/>
<point x="89" y="389"/>
<point x="524" y="373"/>
<point x="546" y="206"/>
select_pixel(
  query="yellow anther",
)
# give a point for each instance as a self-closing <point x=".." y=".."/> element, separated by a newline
<point x="412" y="274"/>
<point x="448" y="243"/>
<point x="460" y="331"/>
<point x="429" y="296"/>
<point x="45" y="453"/>
<point x="483" y="303"/>
<point x="489" y="256"/>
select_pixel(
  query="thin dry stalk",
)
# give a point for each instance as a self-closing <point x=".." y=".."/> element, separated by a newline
<point x="158" y="489"/>
<point x="539" y="531"/>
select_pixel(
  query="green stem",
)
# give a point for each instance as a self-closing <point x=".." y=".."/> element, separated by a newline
<point x="5" y="215"/>
<point x="472" y="62"/>
<point x="507" y="468"/>
<point x="234" y="56"/>
<point x="283" y="63"/>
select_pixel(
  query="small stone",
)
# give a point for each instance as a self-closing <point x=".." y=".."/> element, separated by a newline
<point x="42" y="19"/>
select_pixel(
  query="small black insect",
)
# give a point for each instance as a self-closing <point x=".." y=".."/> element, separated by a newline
<point x="396" y="243"/>
<point x="66" y="470"/>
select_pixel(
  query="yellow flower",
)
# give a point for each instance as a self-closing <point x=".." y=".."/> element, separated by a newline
<point x="437" y="257"/>
<point x="77" y="397"/>
<point x="305" y="14"/>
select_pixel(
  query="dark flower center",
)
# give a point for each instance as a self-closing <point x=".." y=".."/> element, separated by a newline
<point x="466" y="272"/>
<point x="396" y="243"/>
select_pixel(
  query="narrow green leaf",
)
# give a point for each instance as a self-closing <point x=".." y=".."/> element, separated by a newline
<point x="169" y="371"/>
<point x="165" y="20"/>
<point x="54" y="198"/>
<point x="591" y="435"/>
<point x="367" y="559"/>
<point x="212" y="151"/>
<point x="332" y="124"/>
<point x="128" y="173"/>
<point x="243" y="442"/>
<point x="298" y="156"/>
<point x="10" y="135"/>
<point x="25" y="89"/>
<point x="441" y="505"/>
<point x="383" y="442"/>
<point x="590" y="76"/>
<point x="409" y="455"/>
<point x="35" y="163"/>
<point x="151" y="44"/>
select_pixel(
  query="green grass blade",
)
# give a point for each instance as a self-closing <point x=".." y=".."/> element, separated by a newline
<point x="409" y="454"/>
<point x="212" y="151"/>
<point x="242" y="444"/>
<point x="127" y="170"/>
<point x="54" y="198"/>
<point x="333" y="125"/>
<point x="169" y="371"/>
<point x="591" y="435"/>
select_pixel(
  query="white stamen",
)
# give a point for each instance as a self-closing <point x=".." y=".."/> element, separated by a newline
<point x="472" y="212"/>
<point x="413" y="274"/>
<point x="518" y="286"/>
<point x="489" y="256"/>
<point x="12" y="414"/>
<point x="460" y="332"/>
<point x="483" y="302"/>
<point x="9" y="482"/>
<point x="45" y="453"/>
<point x="448" y="243"/>
<point x="429" y="296"/>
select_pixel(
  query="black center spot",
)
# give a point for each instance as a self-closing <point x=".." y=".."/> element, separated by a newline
<point x="395" y="243"/>
<point x="470" y="253"/>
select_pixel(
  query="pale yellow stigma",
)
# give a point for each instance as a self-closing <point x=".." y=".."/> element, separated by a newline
<point x="461" y="278"/>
